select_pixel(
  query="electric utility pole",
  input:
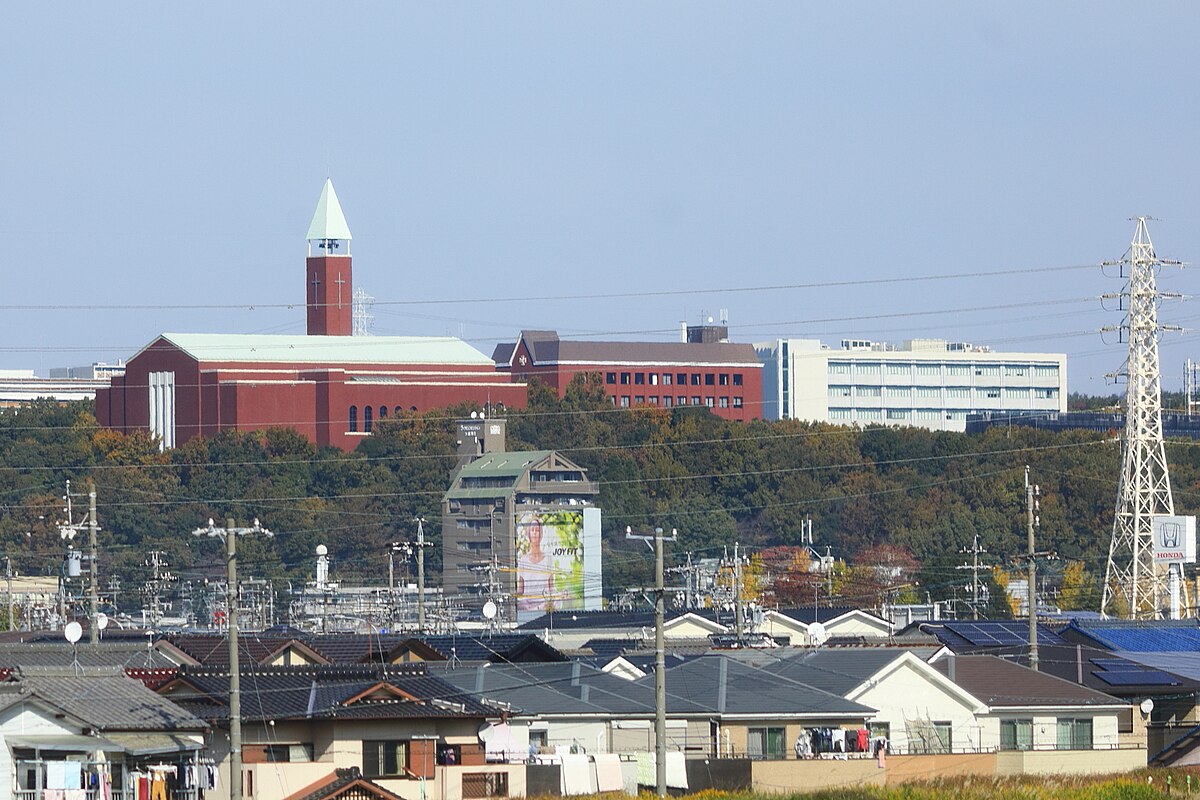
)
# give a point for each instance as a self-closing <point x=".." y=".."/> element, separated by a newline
<point x="93" y="569"/>
<point x="660" y="659"/>
<point x="975" y="552"/>
<point x="407" y="548"/>
<point x="229" y="534"/>
<point x="1033" y="521"/>
<point x="737" y="592"/>
<point x="68" y="532"/>
<point x="8" y="576"/>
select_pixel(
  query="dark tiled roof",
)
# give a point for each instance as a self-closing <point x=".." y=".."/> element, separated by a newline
<point x="353" y="648"/>
<point x="564" y="620"/>
<point x="611" y="648"/>
<point x="838" y="671"/>
<point x="725" y="685"/>
<point x="213" y="649"/>
<point x="107" y="699"/>
<point x="997" y="682"/>
<point x="545" y="346"/>
<point x="322" y="691"/>
<point x="120" y="653"/>
<point x="494" y="647"/>
<point x="571" y="688"/>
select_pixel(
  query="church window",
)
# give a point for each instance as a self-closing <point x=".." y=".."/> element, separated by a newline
<point x="354" y="419"/>
<point x="366" y="419"/>
<point x="383" y="412"/>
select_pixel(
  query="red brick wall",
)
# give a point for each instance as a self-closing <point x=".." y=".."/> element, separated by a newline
<point x="330" y="304"/>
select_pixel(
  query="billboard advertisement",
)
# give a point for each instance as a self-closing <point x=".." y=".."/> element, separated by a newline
<point x="1174" y="540"/>
<point x="557" y="561"/>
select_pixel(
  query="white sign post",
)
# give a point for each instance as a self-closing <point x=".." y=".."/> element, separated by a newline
<point x="1174" y="545"/>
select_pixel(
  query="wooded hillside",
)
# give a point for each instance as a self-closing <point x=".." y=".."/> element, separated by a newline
<point x="716" y="482"/>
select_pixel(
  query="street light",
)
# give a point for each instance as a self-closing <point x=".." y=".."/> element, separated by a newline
<point x="229" y="534"/>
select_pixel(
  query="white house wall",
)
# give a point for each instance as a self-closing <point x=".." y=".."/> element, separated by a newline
<point x="1045" y="727"/>
<point x="686" y="628"/>
<point x="858" y="625"/>
<point x="25" y="719"/>
<point x="907" y="694"/>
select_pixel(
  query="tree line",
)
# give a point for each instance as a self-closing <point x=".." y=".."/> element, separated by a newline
<point x="925" y="494"/>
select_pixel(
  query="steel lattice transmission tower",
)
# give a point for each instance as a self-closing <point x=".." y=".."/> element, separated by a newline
<point x="361" y="313"/>
<point x="1133" y="584"/>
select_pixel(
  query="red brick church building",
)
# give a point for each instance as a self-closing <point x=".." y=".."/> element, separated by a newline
<point x="328" y="385"/>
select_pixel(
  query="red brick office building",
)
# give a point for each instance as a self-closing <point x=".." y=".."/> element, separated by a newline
<point x="328" y="385"/>
<point x="704" y="370"/>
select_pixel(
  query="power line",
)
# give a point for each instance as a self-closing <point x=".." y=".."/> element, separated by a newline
<point x="892" y="280"/>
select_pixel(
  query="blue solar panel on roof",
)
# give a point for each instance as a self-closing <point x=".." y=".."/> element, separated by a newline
<point x="1115" y="663"/>
<point x="1001" y="633"/>
<point x="1147" y="678"/>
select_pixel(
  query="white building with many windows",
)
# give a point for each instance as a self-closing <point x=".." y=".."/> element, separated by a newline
<point x="927" y="383"/>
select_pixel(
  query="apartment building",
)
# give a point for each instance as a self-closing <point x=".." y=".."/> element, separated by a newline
<point x="926" y="383"/>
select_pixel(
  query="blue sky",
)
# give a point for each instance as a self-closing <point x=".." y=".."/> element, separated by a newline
<point x="160" y="155"/>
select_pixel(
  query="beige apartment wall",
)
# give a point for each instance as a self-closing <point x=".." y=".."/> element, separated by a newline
<point x="902" y="769"/>
<point x="276" y="781"/>
<point x="788" y="777"/>
<point x="1068" y="762"/>
<point x="451" y="783"/>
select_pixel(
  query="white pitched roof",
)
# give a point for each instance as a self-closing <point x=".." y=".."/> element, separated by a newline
<point x="328" y="221"/>
<point x="334" y="350"/>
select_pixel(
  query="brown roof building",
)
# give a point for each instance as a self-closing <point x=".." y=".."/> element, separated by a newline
<point x="705" y="369"/>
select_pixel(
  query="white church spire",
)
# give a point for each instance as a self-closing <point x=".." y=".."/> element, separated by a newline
<point x="328" y="222"/>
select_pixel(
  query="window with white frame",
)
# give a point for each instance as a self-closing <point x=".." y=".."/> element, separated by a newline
<point x="162" y="407"/>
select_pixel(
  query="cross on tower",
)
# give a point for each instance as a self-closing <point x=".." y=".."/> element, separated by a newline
<point x="339" y="283"/>
<point x="315" y="283"/>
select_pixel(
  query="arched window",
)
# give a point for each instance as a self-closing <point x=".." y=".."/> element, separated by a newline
<point x="354" y="419"/>
<point x="399" y="410"/>
<point x="383" y="412"/>
<point x="366" y="419"/>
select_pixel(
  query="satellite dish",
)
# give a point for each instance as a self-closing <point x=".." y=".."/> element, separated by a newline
<point x="322" y="550"/>
<point x="73" y="632"/>
<point x="101" y="621"/>
<point x="489" y="609"/>
<point x="1147" y="706"/>
<point x="817" y="634"/>
<point x="486" y="732"/>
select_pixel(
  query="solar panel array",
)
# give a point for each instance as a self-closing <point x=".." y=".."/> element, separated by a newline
<point x="1152" y="677"/>
<point x="1001" y="633"/>
<point x="1119" y="672"/>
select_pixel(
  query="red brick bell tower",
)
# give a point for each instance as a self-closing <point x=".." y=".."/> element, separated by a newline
<point x="328" y="285"/>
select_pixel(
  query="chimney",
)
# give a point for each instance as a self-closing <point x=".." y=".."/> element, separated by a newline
<point x="950" y="668"/>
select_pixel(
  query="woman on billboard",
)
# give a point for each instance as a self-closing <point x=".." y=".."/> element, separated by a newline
<point x="535" y="567"/>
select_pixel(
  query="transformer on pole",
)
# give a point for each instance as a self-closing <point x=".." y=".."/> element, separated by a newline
<point x="1134" y="585"/>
